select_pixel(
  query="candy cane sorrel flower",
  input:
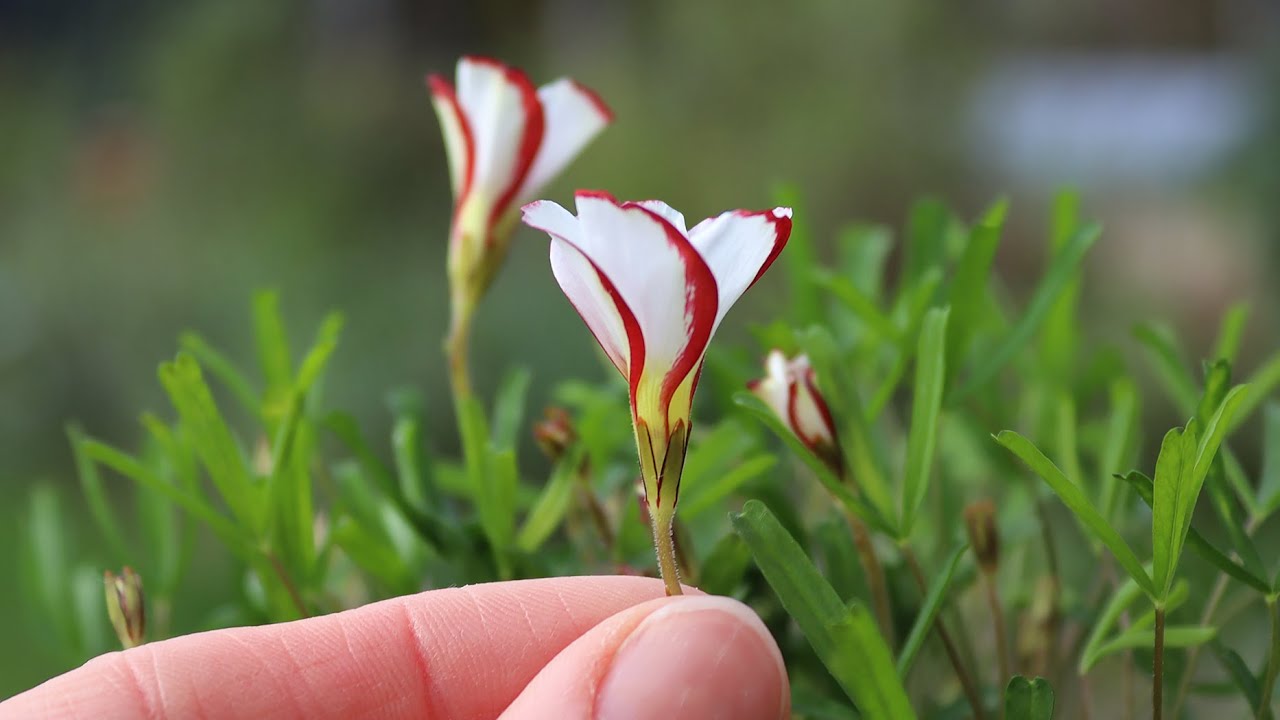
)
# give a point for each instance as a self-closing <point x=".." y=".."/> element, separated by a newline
<point x="788" y="389"/>
<point x="505" y="139"/>
<point x="653" y="292"/>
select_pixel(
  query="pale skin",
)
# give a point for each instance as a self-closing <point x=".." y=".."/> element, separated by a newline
<point x="565" y="648"/>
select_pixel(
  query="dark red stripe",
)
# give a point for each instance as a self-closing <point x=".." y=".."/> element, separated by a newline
<point x="605" y="111"/>
<point x="781" y="233"/>
<point x="701" y="299"/>
<point x="443" y="90"/>
<point x="530" y="140"/>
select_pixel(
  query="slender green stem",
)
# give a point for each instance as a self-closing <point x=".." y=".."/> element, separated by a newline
<point x="664" y="544"/>
<point x="1051" y="561"/>
<point x="875" y="576"/>
<point x="1157" y="669"/>
<point x="457" y="349"/>
<point x="292" y="590"/>
<point x="998" y="621"/>
<point x="962" y="674"/>
<point x="1273" y="663"/>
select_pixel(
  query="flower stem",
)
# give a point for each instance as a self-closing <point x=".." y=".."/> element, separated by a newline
<point x="1157" y="669"/>
<point x="966" y="682"/>
<point x="875" y="575"/>
<point x="1273" y="662"/>
<point x="664" y="543"/>
<point x="997" y="620"/>
<point x="457" y="349"/>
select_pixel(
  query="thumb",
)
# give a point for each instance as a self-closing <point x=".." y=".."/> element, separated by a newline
<point x="671" y="658"/>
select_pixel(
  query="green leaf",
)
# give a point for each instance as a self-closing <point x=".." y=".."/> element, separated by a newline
<point x="552" y="503"/>
<point x="1056" y="280"/>
<point x="48" y="563"/>
<point x="1058" y="341"/>
<point x="96" y="497"/>
<point x="1269" y="485"/>
<point x="968" y="297"/>
<point x="1230" y="332"/>
<point x="927" y="229"/>
<point x="724" y="566"/>
<point x="861" y="305"/>
<point x="1121" y="599"/>
<point x="224" y="370"/>
<point x="864" y="249"/>
<point x="922" y="438"/>
<point x="414" y="482"/>
<point x="914" y="303"/>
<point x="213" y="441"/>
<point x="1175" y="636"/>
<point x="1144" y="487"/>
<point x="273" y="353"/>
<point x="1170" y="367"/>
<point x="1121" y="437"/>
<point x="1238" y="671"/>
<point x="1261" y="384"/>
<point x="1028" y="699"/>
<point x="698" y="498"/>
<point x="508" y="409"/>
<point x="844" y="637"/>
<point x="765" y="414"/>
<point x="1075" y="500"/>
<point x="1170" y="499"/>
<point x="928" y="613"/>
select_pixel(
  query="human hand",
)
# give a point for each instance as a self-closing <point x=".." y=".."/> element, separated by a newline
<point x="562" y="648"/>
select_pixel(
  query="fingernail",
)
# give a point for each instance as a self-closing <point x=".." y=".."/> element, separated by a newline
<point x="698" y="657"/>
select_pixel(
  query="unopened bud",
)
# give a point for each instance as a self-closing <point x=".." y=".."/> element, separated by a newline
<point x="125" y="606"/>
<point x="555" y="433"/>
<point x="984" y="536"/>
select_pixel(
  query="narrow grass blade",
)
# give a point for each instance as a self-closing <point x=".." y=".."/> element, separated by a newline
<point x="1055" y="281"/>
<point x="552" y="503"/>
<point x="1175" y="636"/>
<point x="1073" y="497"/>
<point x="1231" y="332"/>
<point x="844" y="637"/>
<point x="508" y="408"/>
<point x="95" y="494"/>
<point x="922" y="438"/>
<point x="225" y="371"/>
<point x="968" y="296"/>
<point x="1238" y="671"/>
<point x="929" y="609"/>
<point x="712" y="491"/>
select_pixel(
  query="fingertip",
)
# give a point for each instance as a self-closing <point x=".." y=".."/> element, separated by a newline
<point x="696" y="656"/>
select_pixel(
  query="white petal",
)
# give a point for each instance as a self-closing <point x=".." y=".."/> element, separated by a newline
<point x="453" y="124"/>
<point x="574" y="116"/>
<point x="739" y="246"/>
<point x="809" y="420"/>
<point x="669" y="213"/>
<point x="505" y="118"/>
<point x="773" y="388"/>
<point x="580" y="281"/>
<point x="657" y="273"/>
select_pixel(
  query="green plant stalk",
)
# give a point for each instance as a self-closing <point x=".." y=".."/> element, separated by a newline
<point x="1273" y="662"/>
<point x="998" y="621"/>
<point x="292" y="590"/>
<point x="962" y="674"/>
<point x="1157" y="668"/>
<point x="875" y="575"/>
<point x="664" y="544"/>
<point x="1051" y="560"/>
<point x="457" y="348"/>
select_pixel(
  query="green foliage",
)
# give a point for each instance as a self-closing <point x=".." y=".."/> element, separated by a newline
<point x="920" y="351"/>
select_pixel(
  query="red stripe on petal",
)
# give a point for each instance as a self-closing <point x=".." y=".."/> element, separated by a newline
<point x="820" y="403"/>
<point x="530" y="140"/>
<point x="781" y="232"/>
<point x="443" y="90"/>
<point x="702" y="299"/>
<point x="597" y="195"/>
<point x="605" y="111"/>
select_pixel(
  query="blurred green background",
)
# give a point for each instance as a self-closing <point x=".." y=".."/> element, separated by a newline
<point x="159" y="161"/>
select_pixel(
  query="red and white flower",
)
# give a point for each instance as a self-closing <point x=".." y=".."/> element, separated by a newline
<point x="788" y="389"/>
<point x="653" y="293"/>
<point x="505" y="139"/>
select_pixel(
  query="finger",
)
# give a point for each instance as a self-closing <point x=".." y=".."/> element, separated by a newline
<point x="676" y="658"/>
<point x="456" y="653"/>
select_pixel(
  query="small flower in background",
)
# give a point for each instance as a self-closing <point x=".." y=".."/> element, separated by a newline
<point x="984" y="536"/>
<point x="126" y="606"/>
<point x="789" y="389"/>
<point x="505" y="139"/>
<point x="554" y="433"/>
<point x="653" y="292"/>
